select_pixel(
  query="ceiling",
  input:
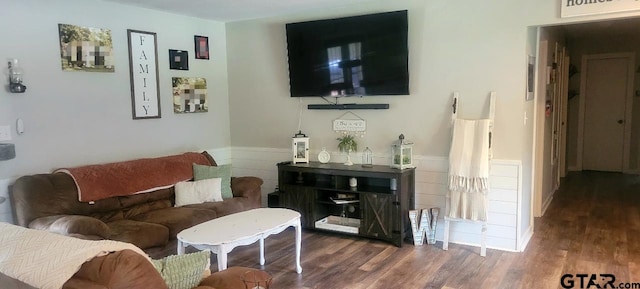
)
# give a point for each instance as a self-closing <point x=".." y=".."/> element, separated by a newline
<point x="235" y="10"/>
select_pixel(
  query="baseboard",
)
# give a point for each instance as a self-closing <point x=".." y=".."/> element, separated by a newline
<point x="633" y="172"/>
<point x="546" y="204"/>
<point x="478" y="246"/>
<point x="525" y="240"/>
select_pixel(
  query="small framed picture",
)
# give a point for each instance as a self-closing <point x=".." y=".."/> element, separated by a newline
<point x="178" y="59"/>
<point x="202" y="47"/>
<point x="531" y="65"/>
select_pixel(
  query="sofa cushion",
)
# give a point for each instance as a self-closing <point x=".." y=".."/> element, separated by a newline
<point x="142" y="234"/>
<point x="196" y="192"/>
<point x="226" y="207"/>
<point x="231" y="278"/>
<point x="201" y="172"/>
<point x="183" y="271"/>
<point x="124" y="269"/>
<point x="177" y="218"/>
<point x="71" y="225"/>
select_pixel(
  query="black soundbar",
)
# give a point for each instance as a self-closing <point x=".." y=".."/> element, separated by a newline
<point x="350" y="106"/>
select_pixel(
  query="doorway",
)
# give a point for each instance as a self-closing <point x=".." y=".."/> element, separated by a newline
<point x="605" y="112"/>
<point x="605" y="43"/>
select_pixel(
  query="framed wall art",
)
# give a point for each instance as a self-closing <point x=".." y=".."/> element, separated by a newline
<point x="86" y="49"/>
<point x="189" y="94"/>
<point x="143" y="69"/>
<point x="178" y="59"/>
<point x="531" y="64"/>
<point x="202" y="47"/>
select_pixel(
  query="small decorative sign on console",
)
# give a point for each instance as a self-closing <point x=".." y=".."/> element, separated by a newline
<point x="356" y="126"/>
<point x="349" y="125"/>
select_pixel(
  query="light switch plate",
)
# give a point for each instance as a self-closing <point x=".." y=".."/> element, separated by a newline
<point x="5" y="132"/>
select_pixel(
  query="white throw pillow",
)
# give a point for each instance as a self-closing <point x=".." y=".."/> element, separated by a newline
<point x="207" y="190"/>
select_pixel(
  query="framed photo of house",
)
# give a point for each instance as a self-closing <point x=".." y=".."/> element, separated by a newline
<point x="189" y="94"/>
<point x="178" y="59"/>
<point x="202" y="47"/>
<point x="143" y="70"/>
<point x="86" y="49"/>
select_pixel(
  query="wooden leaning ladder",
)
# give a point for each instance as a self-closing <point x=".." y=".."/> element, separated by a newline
<point x="448" y="220"/>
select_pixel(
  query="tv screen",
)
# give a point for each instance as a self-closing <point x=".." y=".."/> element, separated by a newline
<point x="359" y="55"/>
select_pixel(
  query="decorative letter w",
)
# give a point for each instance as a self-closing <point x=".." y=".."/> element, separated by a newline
<point x="421" y="230"/>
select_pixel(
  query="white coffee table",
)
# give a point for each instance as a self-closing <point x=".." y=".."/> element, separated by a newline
<point x="221" y="235"/>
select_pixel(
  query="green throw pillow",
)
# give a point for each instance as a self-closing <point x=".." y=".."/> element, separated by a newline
<point x="201" y="172"/>
<point x="183" y="271"/>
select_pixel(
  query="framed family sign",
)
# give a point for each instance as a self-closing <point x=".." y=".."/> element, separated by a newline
<point x="143" y="68"/>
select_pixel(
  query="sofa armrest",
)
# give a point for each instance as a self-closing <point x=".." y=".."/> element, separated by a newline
<point x="124" y="269"/>
<point x="247" y="187"/>
<point x="72" y="225"/>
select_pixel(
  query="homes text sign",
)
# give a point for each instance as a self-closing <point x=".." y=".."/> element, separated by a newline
<point x="570" y="8"/>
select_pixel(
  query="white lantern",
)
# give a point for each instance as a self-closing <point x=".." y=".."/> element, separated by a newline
<point x="402" y="154"/>
<point x="300" y="148"/>
<point x="367" y="158"/>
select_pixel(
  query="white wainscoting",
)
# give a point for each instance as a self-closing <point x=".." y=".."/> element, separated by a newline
<point x="431" y="180"/>
<point x="502" y="229"/>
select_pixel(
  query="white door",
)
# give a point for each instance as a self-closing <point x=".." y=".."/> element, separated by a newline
<point x="607" y="88"/>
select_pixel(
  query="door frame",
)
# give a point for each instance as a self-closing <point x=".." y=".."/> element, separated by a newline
<point x="564" y="114"/>
<point x="626" y="150"/>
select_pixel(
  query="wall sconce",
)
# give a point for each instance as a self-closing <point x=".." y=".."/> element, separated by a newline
<point x="15" y="77"/>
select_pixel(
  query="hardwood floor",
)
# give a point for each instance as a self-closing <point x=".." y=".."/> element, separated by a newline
<point x="591" y="227"/>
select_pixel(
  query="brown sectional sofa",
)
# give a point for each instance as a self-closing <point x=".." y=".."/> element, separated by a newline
<point x="129" y="270"/>
<point x="147" y="220"/>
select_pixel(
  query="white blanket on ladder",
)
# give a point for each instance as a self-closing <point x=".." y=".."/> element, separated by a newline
<point x="469" y="170"/>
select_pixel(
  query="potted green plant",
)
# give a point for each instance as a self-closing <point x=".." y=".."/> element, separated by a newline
<point x="347" y="143"/>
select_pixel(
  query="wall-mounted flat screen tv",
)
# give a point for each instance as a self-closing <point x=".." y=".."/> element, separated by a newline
<point x="351" y="56"/>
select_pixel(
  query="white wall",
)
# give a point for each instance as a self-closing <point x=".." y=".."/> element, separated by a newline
<point x="468" y="46"/>
<point x="268" y="117"/>
<point x="544" y="192"/>
<point x="525" y="216"/>
<point x="76" y="118"/>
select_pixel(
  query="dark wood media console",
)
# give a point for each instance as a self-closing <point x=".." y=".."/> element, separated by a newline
<point x="377" y="207"/>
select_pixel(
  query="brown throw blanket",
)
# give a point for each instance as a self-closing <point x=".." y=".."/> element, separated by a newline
<point x="96" y="182"/>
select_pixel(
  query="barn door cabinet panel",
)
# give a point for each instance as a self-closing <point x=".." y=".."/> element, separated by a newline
<point x="370" y="202"/>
